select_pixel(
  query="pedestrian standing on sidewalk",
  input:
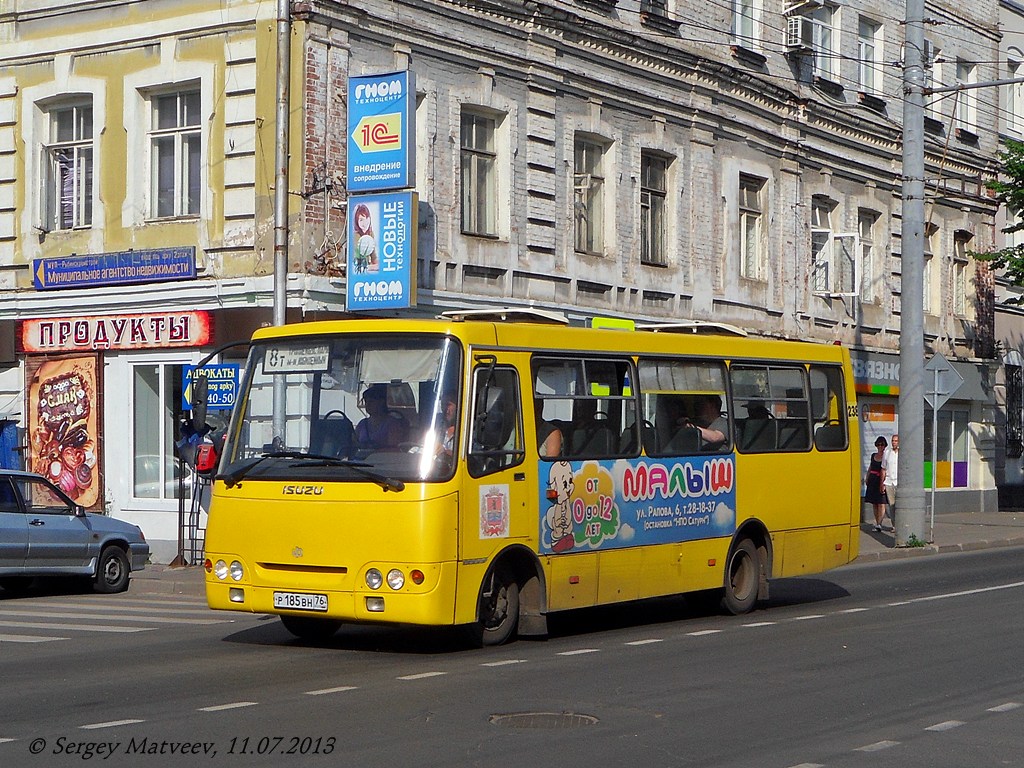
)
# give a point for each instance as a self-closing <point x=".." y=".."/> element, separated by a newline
<point x="874" y="493"/>
<point x="890" y="464"/>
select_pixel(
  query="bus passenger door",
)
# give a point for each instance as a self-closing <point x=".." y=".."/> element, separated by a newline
<point x="495" y="493"/>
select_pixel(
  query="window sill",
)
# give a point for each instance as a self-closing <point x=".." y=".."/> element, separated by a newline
<point x="481" y="235"/>
<point x="749" y="57"/>
<point x="871" y="101"/>
<point x="967" y="136"/>
<point x="660" y="23"/>
<point x="829" y="87"/>
<point x="655" y="264"/>
<point x="934" y="126"/>
<point x="600" y="5"/>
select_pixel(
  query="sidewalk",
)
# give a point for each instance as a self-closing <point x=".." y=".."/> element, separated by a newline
<point x="953" y="532"/>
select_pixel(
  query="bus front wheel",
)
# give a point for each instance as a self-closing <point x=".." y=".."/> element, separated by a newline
<point x="498" y="608"/>
<point x="306" y="628"/>
<point x="741" y="579"/>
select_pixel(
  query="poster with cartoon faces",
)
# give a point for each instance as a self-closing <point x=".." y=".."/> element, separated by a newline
<point x="593" y="505"/>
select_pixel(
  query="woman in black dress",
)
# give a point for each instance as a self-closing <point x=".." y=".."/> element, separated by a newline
<point x="875" y="492"/>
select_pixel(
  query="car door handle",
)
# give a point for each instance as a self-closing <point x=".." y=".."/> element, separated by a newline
<point x="37" y="521"/>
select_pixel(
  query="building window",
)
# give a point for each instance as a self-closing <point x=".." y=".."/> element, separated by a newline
<point x="654" y="7"/>
<point x="866" y="221"/>
<point x="966" y="101"/>
<point x="156" y="409"/>
<point x="960" y="277"/>
<point x="823" y="42"/>
<point x="1015" y="93"/>
<point x="588" y="181"/>
<point x="833" y="255"/>
<point x="1014" y="412"/>
<point x="479" y="170"/>
<point x="746" y="22"/>
<point x="931" y="236"/>
<point x="69" y="168"/>
<point x="653" y="192"/>
<point x="869" y="44"/>
<point x="751" y="209"/>
<point x="176" y="144"/>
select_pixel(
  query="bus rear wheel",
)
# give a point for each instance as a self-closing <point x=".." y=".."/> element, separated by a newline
<point x="742" y="579"/>
<point x="498" y="609"/>
<point x="307" y="628"/>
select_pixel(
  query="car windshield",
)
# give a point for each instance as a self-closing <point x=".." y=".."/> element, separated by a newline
<point x="372" y="407"/>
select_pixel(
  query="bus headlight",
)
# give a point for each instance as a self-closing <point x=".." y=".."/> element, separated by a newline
<point x="396" y="579"/>
<point x="235" y="570"/>
<point x="374" y="578"/>
<point x="220" y="570"/>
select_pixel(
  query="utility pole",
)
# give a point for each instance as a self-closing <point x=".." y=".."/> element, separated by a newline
<point x="284" y="71"/>
<point x="910" y="518"/>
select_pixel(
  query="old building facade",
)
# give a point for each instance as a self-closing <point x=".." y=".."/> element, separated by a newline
<point x="734" y="160"/>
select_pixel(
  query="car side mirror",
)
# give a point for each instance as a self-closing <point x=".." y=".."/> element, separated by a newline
<point x="79" y="510"/>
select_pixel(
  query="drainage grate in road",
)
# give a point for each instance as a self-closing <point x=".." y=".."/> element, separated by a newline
<point x="552" y="720"/>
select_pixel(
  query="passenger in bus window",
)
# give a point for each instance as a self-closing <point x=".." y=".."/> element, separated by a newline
<point x="449" y="421"/>
<point x="549" y="438"/>
<point x="381" y="428"/>
<point x="709" y="421"/>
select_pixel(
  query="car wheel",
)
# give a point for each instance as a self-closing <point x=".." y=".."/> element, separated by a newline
<point x="112" y="571"/>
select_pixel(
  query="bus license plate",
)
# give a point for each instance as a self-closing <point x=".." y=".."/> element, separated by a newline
<point x="297" y="601"/>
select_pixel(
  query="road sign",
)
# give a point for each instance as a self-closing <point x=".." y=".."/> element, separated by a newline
<point x="222" y="381"/>
<point x="945" y="381"/>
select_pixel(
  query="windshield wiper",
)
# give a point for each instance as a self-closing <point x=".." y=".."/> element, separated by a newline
<point x="235" y="476"/>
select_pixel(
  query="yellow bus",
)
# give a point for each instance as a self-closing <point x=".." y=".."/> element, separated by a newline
<point x="489" y="468"/>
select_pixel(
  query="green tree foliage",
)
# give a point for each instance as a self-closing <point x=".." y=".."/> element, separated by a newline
<point x="1009" y="190"/>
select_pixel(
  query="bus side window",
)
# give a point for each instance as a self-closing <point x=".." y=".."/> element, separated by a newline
<point x="496" y="441"/>
<point x="828" y="408"/>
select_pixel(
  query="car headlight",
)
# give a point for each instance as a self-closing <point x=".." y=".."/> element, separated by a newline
<point x="374" y="578"/>
<point x="396" y="579"/>
<point x="235" y="570"/>
<point x="220" y="570"/>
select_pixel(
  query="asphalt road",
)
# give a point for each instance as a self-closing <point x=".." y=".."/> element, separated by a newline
<point x="907" y="663"/>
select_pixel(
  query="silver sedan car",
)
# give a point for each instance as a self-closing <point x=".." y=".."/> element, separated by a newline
<point x="44" y="533"/>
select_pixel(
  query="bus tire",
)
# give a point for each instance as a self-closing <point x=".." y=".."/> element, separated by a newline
<point x="742" y="574"/>
<point x="498" y="608"/>
<point x="312" y="629"/>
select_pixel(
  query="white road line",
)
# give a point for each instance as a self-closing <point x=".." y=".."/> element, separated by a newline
<point x="4" y="741"/>
<point x="77" y="627"/>
<point x="853" y="610"/>
<point x="222" y="707"/>
<point x="421" y="676"/>
<point x="28" y="639"/>
<point x="109" y="724"/>
<point x="877" y="746"/>
<point x="761" y="624"/>
<point x="963" y="593"/>
<point x="1008" y="706"/>
<point x="702" y="632"/>
<point x="808" y="765"/>
<point x="114" y="609"/>
<point x="579" y="652"/>
<point x="504" y="663"/>
<point x="946" y="726"/>
<point x="111" y="617"/>
<point x="325" y="691"/>
<point x="809" y="617"/>
<point x="645" y="642"/>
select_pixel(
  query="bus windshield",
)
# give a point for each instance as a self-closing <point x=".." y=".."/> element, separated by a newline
<point x="347" y="408"/>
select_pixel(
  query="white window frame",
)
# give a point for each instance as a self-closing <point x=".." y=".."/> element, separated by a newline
<point x="182" y="139"/>
<point x="1015" y="92"/>
<point x="967" y="102"/>
<point x="750" y="210"/>
<point x="746" y="23"/>
<point x="931" y="235"/>
<point x="479" y="172"/>
<point x="932" y="60"/>
<point x="654" y="208"/>
<point x="869" y="53"/>
<point x="824" y="41"/>
<point x="867" y="220"/>
<point x="588" y="195"/>
<point x="959" y="273"/>
<point x="68" y="168"/>
<point x="835" y="268"/>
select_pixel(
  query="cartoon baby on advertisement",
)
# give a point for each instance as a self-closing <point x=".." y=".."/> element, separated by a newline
<point x="581" y="511"/>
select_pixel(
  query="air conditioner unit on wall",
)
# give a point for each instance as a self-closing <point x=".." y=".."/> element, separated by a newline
<point x="799" y="34"/>
<point x="802" y="6"/>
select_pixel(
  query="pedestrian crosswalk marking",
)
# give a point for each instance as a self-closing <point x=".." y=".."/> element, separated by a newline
<point x="76" y="627"/>
<point x="110" y="617"/>
<point x="28" y="639"/>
